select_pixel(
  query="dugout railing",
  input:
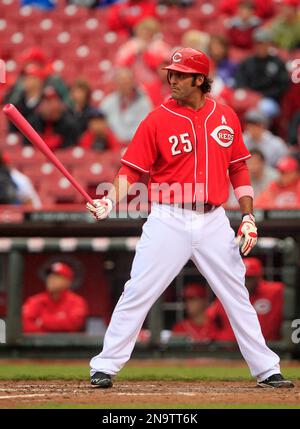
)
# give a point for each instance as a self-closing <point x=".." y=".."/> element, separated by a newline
<point x="278" y="247"/>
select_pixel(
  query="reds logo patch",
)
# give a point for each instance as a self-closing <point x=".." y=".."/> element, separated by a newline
<point x="262" y="306"/>
<point x="177" y="57"/>
<point x="223" y="135"/>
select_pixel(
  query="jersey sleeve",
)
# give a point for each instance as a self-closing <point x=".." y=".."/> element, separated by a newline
<point x="239" y="149"/>
<point x="142" y="150"/>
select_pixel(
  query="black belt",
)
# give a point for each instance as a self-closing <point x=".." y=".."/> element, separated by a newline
<point x="198" y="207"/>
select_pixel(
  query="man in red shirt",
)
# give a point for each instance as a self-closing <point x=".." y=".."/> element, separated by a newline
<point x="58" y="309"/>
<point x="188" y="145"/>
<point x="194" y="325"/>
<point x="265" y="296"/>
<point x="283" y="193"/>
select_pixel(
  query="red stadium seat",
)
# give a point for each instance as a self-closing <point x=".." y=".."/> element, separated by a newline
<point x="75" y="156"/>
<point x="22" y="157"/>
<point x="59" y="191"/>
<point x="41" y="173"/>
<point x="244" y="99"/>
<point x="93" y="175"/>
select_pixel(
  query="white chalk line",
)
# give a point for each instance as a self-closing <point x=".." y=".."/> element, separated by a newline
<point x="31" y="395"/>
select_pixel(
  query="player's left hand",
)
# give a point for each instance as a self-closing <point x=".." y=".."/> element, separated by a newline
<point x="248" y="232"/>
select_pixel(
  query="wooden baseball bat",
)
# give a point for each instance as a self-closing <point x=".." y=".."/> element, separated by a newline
<point x="26" y="129"/>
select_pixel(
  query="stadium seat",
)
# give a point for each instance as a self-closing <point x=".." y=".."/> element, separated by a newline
<point x="24" y="156"/>
<point x="39" y="173"/>
<point x="75" y="156"/>
<point x="244" y="99"/>
<point x="59" y="191"/>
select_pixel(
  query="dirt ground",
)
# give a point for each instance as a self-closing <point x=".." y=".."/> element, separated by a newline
<point x="33" y="393"/>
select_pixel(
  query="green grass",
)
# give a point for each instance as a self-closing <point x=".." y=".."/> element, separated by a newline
<point x="17" y="371"/>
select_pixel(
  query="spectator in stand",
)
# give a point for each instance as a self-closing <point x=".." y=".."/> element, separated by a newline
<point x="219" y="53"/>
<point x="294" y="130"/>
<point x="265" y="73"/>
<point x="241" y="26"/>
<point x="143" y="51"/>
<point x="266" y="298"/>
<point x="219" y="90"/>
<point x="257" y="136"/>
<point x="124" y="16"/>
<point x="283" y="193"/>
<point x="16" y="187"/>
<point x="80" y="95"/>
<point x="285" y="28"/>
<point x="8" y="188"/>
<point x="98" y="136"/>
<point x="54" y="121"/>
<point x="158" y="90"/>
<point x="196" y="39"/>
<point x="261" y="176"/>
<point x="33" y="78"/>
<point x="194" y="326"/>
<point x="36" y="57"/>
<point x="58" y="309"/>
<point x="263" y="8"/>
<point x="126" y="107"/>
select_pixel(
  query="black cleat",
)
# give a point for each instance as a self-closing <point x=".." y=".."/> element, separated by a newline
<point x="276" y="381"/>
<point x="101" y="380"/>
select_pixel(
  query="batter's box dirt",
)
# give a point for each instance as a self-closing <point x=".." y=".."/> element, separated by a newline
<point x="169" y="393"/>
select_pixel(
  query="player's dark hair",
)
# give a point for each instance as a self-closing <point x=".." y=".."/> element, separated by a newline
<point x="206" y="84"/>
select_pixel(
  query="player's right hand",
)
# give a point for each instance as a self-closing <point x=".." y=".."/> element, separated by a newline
<point x="100" y="208"/>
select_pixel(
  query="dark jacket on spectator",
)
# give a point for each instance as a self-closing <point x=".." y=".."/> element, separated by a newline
<point x="266" y="75"/>
<point x="58" y="135"/>
<point x="294" y="130"/>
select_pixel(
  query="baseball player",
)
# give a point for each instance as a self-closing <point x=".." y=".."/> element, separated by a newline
<point x="194" y="143"/>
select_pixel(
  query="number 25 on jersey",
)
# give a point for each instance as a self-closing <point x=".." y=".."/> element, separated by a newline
<point x="183" y="143"/>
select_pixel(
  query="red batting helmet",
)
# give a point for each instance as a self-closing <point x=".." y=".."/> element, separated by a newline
<point x="188" y="60"/>
<point x="62" y="270"/>
<point x="254" y="267"/>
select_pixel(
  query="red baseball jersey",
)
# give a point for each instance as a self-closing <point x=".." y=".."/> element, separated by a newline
<point x="41" y="313"/>
<point x="193" y="148"/>
<point x="267" y="300"/>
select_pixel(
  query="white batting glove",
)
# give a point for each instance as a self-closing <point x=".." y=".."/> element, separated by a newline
<point x="248" y="232"/>
<point x="100" y="208"/>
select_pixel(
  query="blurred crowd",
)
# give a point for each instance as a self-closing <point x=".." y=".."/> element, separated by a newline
<point x="254" y="46"/>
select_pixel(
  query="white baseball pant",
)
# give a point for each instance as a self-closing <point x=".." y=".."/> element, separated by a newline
<point x="171" y="236"/>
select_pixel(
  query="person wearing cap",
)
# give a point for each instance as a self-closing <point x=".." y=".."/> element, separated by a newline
<point x="283" y="193"/>
<point x="58" y="309"/>
<point x="265" y="296"/>
<point x="189" y="146"/>
<point x="264" y="72"/>
<point x="261" y="176"/>
<point x="98" y="135"/>
<point x="258" y="136"/>
<point x="54" y="121"/>
<point x="35" y="58"/>
<point x="33" y="78"/>
<point x="285" y="27"/>
<point x="194" y="326"/>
